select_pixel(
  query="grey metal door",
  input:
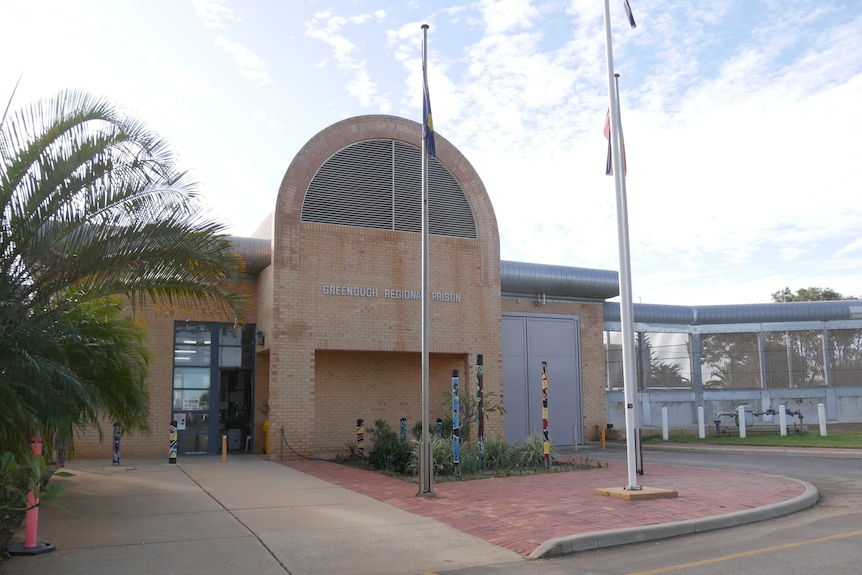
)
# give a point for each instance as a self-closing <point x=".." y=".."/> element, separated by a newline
<point x="527" y="342"/>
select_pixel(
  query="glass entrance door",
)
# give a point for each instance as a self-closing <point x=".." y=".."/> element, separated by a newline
<point x="213" y="390"/>
<point x="235" y="407"/>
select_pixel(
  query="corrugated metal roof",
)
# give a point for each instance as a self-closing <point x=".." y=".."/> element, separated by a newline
<point x="256" y="252"/>
<point x="520" y="278"/>
<point x="739" y="313"/>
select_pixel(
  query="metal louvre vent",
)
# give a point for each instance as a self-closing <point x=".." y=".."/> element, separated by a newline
<point x="377" y="184"/>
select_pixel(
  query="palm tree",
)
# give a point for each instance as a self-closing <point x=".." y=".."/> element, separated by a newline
<point x="94" y="214"/>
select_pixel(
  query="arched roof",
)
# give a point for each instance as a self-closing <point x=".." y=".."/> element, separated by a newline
<point x="346" y="135"/>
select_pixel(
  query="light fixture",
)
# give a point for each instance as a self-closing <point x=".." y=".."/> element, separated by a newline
<point x="260" y="338"/>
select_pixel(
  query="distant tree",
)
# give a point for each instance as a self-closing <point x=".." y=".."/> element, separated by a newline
<point x="808" y="346"/>
<point x="661" y="373"/>
<point x="733" y="358"/>
<point x="807" y="294"/>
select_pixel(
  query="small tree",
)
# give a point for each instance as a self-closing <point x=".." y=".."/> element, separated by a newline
<point x="468" y="410"/>
<point x="93" y="209"/>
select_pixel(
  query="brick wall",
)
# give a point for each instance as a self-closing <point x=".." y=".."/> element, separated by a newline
<point x="374" y="340"/>
<point x="159" y="325"/>
<point x="316" y="326"/>
<point x="329" y="357"/>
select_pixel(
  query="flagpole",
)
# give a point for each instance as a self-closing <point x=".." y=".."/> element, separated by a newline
<point x="626" y="307"/>
<point x="426" y="477"/>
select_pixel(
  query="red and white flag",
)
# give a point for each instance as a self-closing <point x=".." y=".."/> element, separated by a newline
<point x="609" y="167"/>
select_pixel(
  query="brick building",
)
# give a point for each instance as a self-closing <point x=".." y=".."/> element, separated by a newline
<point x="335" y="335"/>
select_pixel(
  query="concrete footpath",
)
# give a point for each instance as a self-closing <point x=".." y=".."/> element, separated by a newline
<point x="313" y="517"/>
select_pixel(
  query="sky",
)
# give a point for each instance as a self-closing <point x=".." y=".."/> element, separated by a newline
<point x="741" y="117"/>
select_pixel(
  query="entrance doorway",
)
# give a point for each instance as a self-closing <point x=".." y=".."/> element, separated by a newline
<point x="529" y="340"/>
<point x="235" y="402"/>
<point x="213" y="389"/>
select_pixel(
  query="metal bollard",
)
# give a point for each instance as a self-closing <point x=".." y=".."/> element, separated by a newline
<point x="782" y="421"/>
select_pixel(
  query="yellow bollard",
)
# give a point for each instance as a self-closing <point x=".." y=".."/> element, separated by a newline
<point x="224" y="448"/>
<point x="266" y="436"/>
<point x="603" y="439"/>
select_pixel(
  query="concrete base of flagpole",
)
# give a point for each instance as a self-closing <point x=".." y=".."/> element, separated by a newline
<point x="38" y="549"/>
<point x="636" y="494"/>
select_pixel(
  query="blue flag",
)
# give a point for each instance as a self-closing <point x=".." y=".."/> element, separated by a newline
<point x="629" y="13"/>
<point x="427" y="123"/>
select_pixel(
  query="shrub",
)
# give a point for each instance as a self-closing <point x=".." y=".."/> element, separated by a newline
<point x="498" y="453"/>
<point x="444" y="430"/>
<point x="441" y="455"/>
<point x="388" y="453"/>
<point x="531" y="453"/>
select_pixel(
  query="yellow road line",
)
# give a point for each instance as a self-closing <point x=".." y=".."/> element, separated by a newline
<point x="747" y="553"/>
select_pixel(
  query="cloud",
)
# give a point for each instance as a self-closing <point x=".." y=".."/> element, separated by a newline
<point x="852" y="247"/>
<point x="330" y="29"/>
<point x="266" y="119"/>
<point x="249" y="65"/>
<point x="504" y="15"/>
<point x="214" y="13"/>
<point x="182" y="81"/>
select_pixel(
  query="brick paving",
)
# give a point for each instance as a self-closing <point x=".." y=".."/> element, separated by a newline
<point x="522" y="512"/>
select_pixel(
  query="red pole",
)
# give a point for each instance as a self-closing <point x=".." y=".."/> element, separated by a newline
<point x="31" y="543"/>
<point x="30" y="539"/>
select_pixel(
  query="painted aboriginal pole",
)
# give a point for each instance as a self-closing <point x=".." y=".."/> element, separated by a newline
<point x="480" y="405"/>
<point x="404" y="431"/>
<point x="172" y="443"/>
<point x="360" y="437"/>
<point x="456" y="423"/>
<point x="547" y="444"/>
<point x="116" y="457"/>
